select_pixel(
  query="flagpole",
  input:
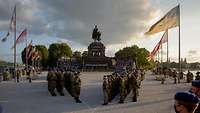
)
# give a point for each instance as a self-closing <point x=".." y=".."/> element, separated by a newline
<point x="26" y="53"/>
<point x="14" y="42"/>
<point x="179" y="43"/>
<point x="167" y="49"/>
<point x="161" y="56"/>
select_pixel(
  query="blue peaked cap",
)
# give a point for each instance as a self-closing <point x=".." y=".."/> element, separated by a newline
<point x="186" y="97"/>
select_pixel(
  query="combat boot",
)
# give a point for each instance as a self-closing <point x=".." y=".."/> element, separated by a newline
<point x="53" y="94"/>
<point x="134" y="99"/>
<point x="105" y="104"/>
<point x="121" y="102"/>
<point x="62" y="94"/>
<point x="77" y="100"/>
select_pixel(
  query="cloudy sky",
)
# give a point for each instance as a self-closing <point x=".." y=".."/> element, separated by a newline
<point x="122" y="23"/>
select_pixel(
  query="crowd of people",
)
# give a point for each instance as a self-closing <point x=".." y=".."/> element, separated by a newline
<point x="18" y="73"/>
<point x="165" y="73"/>
<point x="185" y="101"/>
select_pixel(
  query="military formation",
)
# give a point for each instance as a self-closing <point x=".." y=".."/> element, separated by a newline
<point x="58" y="79"/>
<point x="122" y="82"/>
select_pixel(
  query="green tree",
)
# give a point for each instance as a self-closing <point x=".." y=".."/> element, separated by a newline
<point x="57" y="51"/>
<point x="138" y="54"/>
<point x="77" y="55"/>
<point x="43" y="53"/>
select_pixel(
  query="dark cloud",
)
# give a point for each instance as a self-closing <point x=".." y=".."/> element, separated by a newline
<point x="118" y="20"/>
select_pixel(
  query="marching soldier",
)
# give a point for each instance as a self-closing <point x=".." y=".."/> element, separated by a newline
<point x="142" y="74"/>
<point x="51" y="78"/>
<point x="174" y="74"/>
<point x="135" y="85"/>
<point x="60" y="82"/>
<point x="67" y="81"/>
<point x="122" y="89"/>
<point x="105" y="90"/>
<point x="198" y="76"/>
<point x="189" y="77"/>
<point x="76" y="88"/>
<point x="18" y="73"/>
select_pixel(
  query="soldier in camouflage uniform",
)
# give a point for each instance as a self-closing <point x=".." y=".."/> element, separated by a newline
<point x="67" y="81"/>
<point x="106" y="90"/>
<point x="122" y="89"/>
<point x="18" y="74"/>
<point x="142" y="74"/>
<point x="174" y="74"/>
<point x="51" y="78"/>
<point x="135" y="85"/>
<point x="189" y="77"/>
<point x="198" y="76"/>
<point x="76" y="88"/>
<point x="60" y="82"/>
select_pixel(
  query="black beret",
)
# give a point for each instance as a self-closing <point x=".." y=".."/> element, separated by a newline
<point x="196" y="83"/>
<point x="186" y="97"/>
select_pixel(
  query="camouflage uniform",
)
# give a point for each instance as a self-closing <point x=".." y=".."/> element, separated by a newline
<point x="105" y="90"/>
<point x="18" y="73"/>
<point x="198" y="76"/>
<point x="76" y="88"/>
<point x="142" y="75"/>
<point x="135" y="85"/>
<point x="122" y="89"/>
<point x="189" y="77"/>
<point x="174" y="74"/>
<point x="67" y="81"/>
<point x="51" y="78"/>
<point x="60" y="82"/>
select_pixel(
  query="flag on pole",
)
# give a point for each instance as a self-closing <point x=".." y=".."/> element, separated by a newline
<point x="11" y="26"/>
<point x="28" y="49"/>
<point x="35" y="54"/>
<point x="31" y="52"/>
<point x="163" y="40"/>
<point x="13" y="20"/>
<point x="5" y="38"/>
<point x="20" y="38"/>
<point x="29" y="46"/>
<point x="170" y="20"/>
<point x="38" y="57"/>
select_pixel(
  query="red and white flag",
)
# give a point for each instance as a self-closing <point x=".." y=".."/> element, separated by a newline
<point x="29" y="46"/>
<point x="32" y="51"/>
<point x="163" y="40"/>
<point x="34" y="56"/>
<point x="28" y="49"/>
<point x="20" y="38"/>
<point x="38" y="57"/>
